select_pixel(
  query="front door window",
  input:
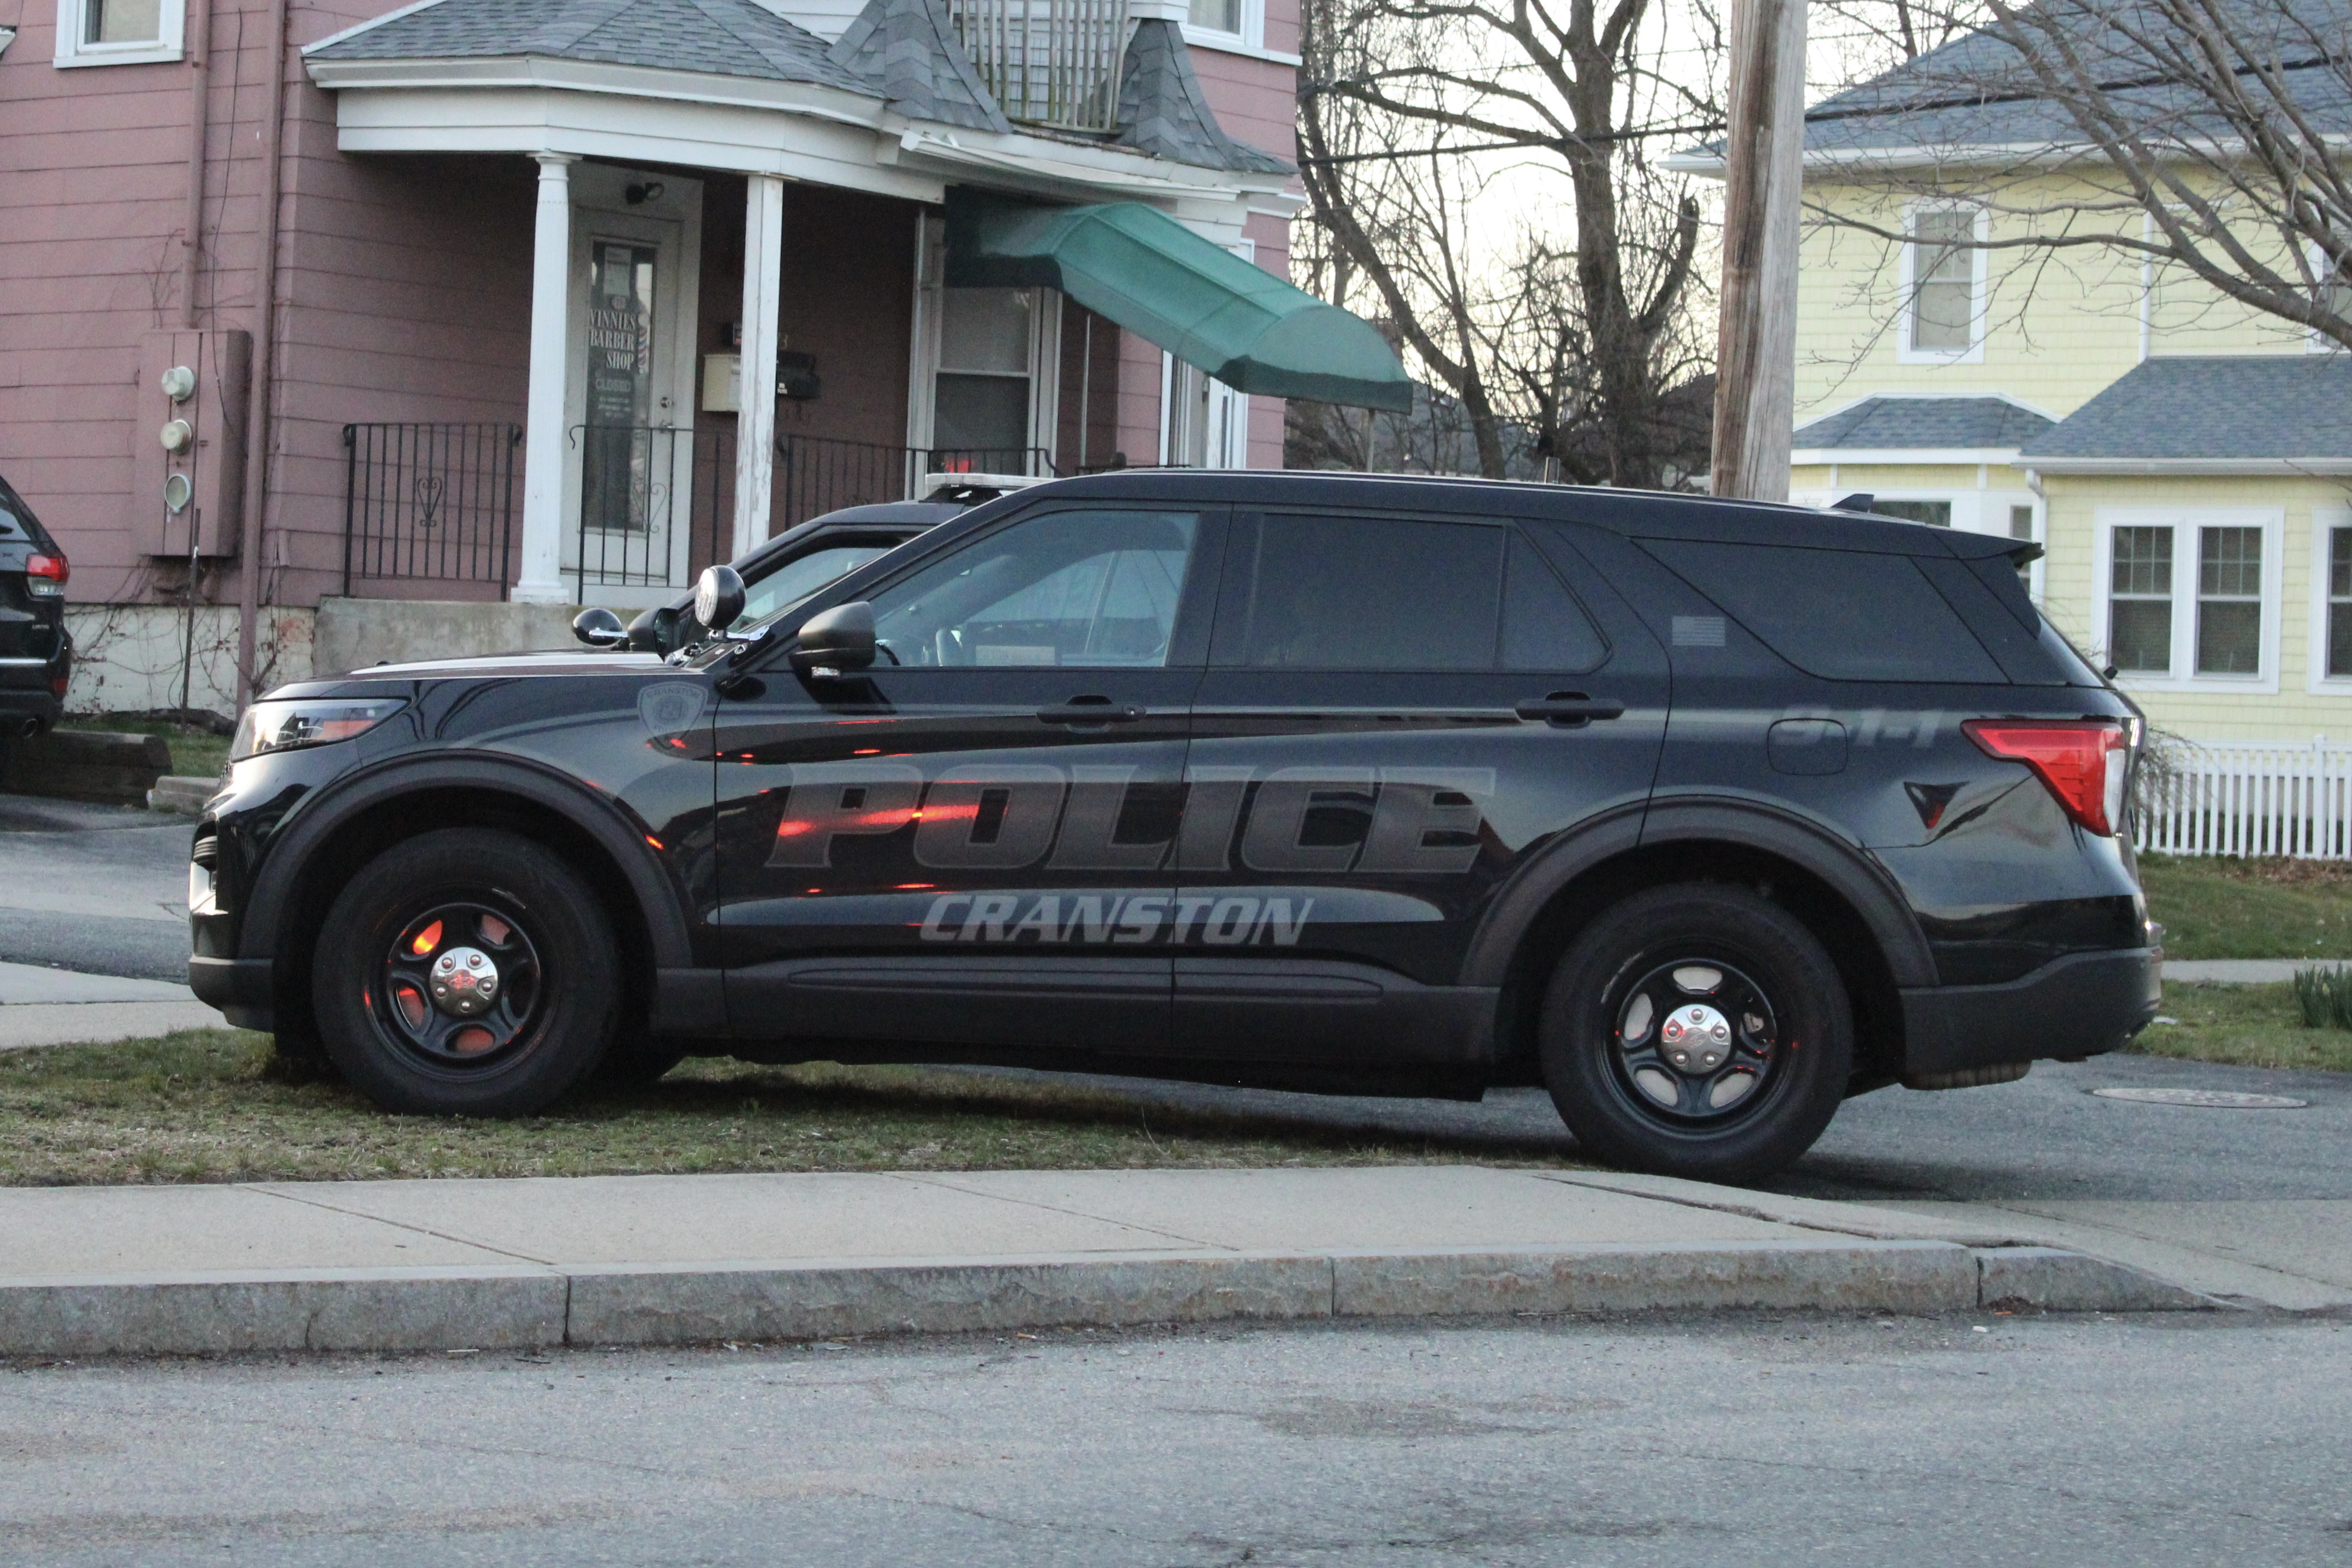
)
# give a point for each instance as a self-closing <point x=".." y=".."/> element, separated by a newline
<point x="617" y="457"/>
<point x="980" y="417"/>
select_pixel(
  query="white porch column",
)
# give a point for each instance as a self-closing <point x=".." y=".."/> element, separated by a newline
<point x="543" y="444"/>
<point x="755" y="424"/>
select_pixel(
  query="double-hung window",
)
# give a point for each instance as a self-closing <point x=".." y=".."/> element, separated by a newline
<point x="2139" y="604"/>
<point x="2192" y="599"/>
<point x="2228" y="601"/>
<point x="1943" y="282"/>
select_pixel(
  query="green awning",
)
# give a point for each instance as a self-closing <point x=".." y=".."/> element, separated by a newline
<point x="1157" y="278"/>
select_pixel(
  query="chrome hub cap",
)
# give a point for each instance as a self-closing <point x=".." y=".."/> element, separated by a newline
<point x="461" y="984"/>
<point x="465" y="982"/>
<point x="1696" y="1041"/>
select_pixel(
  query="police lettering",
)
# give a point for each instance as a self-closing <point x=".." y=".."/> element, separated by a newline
<point x="1005" y="816"/>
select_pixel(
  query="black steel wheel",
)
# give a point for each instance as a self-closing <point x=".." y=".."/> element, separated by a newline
<point x="1697" y="1030"/>
<point x="465" y="972"/>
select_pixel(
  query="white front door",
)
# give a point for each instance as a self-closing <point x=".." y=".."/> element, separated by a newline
<point x="630" y="479"/>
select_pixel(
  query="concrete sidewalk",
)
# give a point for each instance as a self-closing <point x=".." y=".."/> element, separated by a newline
<point x="40" y="1006"/>
<point x="410" y="1265"/>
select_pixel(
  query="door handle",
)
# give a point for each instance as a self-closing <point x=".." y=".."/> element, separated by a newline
<point x="1091" y="710"/>
<point x="1569" y="710"/>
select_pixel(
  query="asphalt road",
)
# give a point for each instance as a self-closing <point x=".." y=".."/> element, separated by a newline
<point x="2189" y="1439"/>
<point x="102" y="889"/>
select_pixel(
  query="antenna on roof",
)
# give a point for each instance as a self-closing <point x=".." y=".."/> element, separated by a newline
<point x="1860" y="501"/>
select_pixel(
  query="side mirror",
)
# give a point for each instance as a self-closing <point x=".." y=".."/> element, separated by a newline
<point x="719" y="598"/>
<point x="841" y="637"/>
<point x="599" y="629"/>
<point x="654" y="631"/>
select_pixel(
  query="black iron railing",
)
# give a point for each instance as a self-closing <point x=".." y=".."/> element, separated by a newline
<point x="429" y="501"/>
<point x="816" y="474"/>
<point x="647" y="492"/>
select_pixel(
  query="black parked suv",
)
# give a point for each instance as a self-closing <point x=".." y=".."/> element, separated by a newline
<point x="35" y="654"/>
<point x="1704" y="815"/>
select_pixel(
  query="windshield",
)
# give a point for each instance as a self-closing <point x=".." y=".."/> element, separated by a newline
<point x="795" y="580"/>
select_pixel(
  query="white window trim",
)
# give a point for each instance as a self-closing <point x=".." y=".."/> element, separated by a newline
<point x="1905" y="354"/>
<point x="73" y="18"/>
<point x="2315" y="342"/>
<point x="2325" y="519"/>
<point x="2185" y="522"/>
<point x="1250" y="40"/>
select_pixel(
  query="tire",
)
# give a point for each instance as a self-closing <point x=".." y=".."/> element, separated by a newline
<point x="519" y="950"/>
<point x="1682" y="1096"/>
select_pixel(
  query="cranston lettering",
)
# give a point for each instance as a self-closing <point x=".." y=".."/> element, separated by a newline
<point x="1213" y="920"/>
<point x="1005" y="816"/>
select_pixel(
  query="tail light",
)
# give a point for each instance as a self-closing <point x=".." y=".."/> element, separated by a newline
<point x="45" y="576"/>
<point x="2084" y="763"/>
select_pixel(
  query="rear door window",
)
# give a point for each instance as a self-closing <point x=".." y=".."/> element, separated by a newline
<point x="1338" y="592"/>
<point x="1844" y="615"/>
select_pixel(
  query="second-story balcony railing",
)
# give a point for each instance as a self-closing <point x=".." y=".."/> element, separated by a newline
<point x="1048" y="62"/>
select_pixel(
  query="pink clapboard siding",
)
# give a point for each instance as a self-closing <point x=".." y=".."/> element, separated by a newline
<point x="1254" y="100"/>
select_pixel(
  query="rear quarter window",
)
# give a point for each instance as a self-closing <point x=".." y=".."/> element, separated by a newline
<point x="1844" y="615"/>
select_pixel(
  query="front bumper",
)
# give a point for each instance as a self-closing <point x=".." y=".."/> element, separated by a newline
<point x="2081" y="1005"/>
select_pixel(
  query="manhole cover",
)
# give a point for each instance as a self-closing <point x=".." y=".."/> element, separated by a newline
<point x="2210" y="1099"/>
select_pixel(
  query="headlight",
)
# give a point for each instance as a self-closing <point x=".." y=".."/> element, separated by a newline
<point x="283" y="725"/>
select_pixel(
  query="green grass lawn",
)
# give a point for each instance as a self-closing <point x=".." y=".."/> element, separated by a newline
<point x="195" y="753"/>
<point x="200" y="1107"/>
<point x="2246" y="1026"/>
<point x="2218" y="908"/>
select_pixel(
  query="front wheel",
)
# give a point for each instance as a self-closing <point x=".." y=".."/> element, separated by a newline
<point x="467" y="972"/>
<point x="1697" y="1030"/>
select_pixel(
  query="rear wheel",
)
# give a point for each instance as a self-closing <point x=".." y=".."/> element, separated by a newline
<point x="1697" y="1030"/>
<point x="467" y="972"/>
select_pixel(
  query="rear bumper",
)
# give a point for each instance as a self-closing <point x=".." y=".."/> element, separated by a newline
<point x="240" y="987"/>
<point x="2081" y="1005"/>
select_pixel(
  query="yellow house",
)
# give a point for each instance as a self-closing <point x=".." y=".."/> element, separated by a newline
<point x="2186" y="462"/>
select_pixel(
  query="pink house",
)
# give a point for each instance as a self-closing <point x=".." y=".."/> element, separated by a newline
<point x="545" y="302"/>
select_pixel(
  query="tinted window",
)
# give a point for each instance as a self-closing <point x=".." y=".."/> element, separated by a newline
<point x="1841" y="615"/>
<point x="10" y="528"/>
<point x="1084" y="589"/>
<point x="1374" y="593"/>
<point x="1543" y="627"/>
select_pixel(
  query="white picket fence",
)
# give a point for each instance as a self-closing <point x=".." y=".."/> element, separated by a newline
<point x="2235" y="798"/>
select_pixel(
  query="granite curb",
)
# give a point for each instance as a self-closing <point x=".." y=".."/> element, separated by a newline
<point x="525" y="1305"/>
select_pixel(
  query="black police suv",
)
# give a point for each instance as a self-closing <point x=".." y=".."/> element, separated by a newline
<point x="36" y="652"/>
<point x="1704" y="815"/>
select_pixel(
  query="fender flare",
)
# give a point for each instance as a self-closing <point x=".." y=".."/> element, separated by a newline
<point x="1845" y="867"/>
<point x="596" y="815"/>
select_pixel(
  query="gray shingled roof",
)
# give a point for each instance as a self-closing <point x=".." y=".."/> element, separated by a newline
<point x="1891" y="423"/>
<point x="1978" y="91"/>
<point x="1161" y="111"/>
<point x="722" y="38"/>
<point x="2272" y="406"/>
<point x="911" y="50"/>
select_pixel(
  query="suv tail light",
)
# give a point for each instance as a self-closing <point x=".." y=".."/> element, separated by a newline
<point x="2084" y="763"/>
<point x="45" y="576"/>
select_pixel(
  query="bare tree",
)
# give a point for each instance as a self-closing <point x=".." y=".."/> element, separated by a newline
<point x="1571" y="341"/>
<point x="2206" y="137"/>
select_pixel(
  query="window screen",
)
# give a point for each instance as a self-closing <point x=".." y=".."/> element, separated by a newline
<point x="1942" y="281"/>
<point x="2228" y="601"/>
<point x="1839" y="614"/>
<point x="1374" y="593"/>
<point x="2139" y="601"/>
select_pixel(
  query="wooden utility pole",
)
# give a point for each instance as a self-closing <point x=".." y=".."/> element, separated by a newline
<point x="1756" y="352"/>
